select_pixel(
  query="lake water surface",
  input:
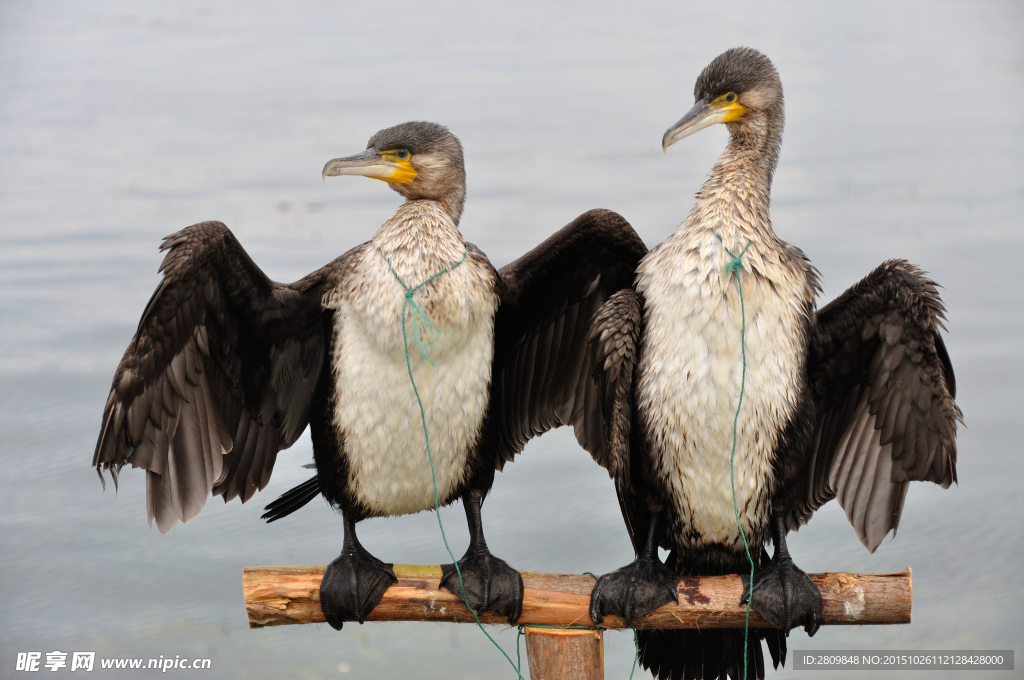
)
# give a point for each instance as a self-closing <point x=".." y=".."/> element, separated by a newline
<point x="121" y="123"/>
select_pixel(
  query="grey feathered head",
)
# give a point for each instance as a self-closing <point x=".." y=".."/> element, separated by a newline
<point x="419" y="160"/>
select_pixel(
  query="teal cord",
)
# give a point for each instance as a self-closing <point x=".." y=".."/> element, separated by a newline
<point x="409" y="292"/>
<point x="734" y="266"/>
<point x="421" y="316"/>
<point x="636" y="647"/>
<point x="519" y="658"/>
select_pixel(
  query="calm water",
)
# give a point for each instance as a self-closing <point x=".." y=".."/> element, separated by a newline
<point x="119" y="125"/>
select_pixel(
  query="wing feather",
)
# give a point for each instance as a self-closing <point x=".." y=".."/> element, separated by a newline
<point x="884" y="388"/>
<point x="611" y="357"/>
<point x="549" y="298"/>
<point x="217" y="379"/>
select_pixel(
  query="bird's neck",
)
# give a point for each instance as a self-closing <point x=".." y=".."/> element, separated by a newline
<point x="756" y="142"/>
<point x="453" y="203"/>
<point x="453" y="198"/>
<point x="430" y="184"/>
<point x="735" y="200"/>
<point x="421" y="230"/>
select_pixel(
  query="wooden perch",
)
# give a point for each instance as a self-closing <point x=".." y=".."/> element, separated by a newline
<point x="276" y="596"/>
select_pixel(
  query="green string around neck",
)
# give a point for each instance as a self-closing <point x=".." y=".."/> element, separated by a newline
<point x="734" y="266"/>
<point x="420" y="314"/>
<point x="425" y="335"/>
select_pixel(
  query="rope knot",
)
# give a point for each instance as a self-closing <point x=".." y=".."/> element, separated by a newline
<point x="734" y="265"/>
<point x="425" y="335"/>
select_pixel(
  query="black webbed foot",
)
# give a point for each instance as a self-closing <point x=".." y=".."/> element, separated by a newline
<point x="354" y="583"/>
<point x="490" y="584"/>
<point x="634" y="590"/>
<point x="783" y="594"/>
<point x="637" y="588"/>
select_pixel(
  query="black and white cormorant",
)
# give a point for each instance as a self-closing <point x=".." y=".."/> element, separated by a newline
<point x="852" y="402"/>
<point x="228" y="367"/>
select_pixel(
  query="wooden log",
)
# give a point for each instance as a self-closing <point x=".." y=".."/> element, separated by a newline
<point x="276" y="596"/>
<point x="565" y="654"/>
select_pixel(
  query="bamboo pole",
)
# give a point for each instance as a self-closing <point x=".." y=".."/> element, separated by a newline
<point x="276" y="596"/>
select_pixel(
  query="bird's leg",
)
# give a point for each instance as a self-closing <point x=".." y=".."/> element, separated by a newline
<point x="489" y="582"/>
<point x="783" y="594"/>
<point x="354" y="582"/>
<point x="637" y="588"/>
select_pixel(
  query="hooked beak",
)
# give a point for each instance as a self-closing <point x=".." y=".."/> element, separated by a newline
<point x="702" y="115"/>
<point x="372" y="164"/>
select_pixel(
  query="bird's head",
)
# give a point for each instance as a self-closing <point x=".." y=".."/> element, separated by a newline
<point x="419" y="160"/>
<point x="741" y="88"/>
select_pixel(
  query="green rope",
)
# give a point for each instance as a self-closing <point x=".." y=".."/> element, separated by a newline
<point x="420" y="317"/>
<point x="734" y="266"/>
<point x="419" y="313"/>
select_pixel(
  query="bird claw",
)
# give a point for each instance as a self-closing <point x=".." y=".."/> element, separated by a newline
<point x="634" y="590"/>
<point x="785" y="596"/>
<point x="352" y="586"/>
<point x="490" y="583"/>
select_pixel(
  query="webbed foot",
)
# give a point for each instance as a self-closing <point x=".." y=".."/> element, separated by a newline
<point x="783" y="594"/>
<point x="354" y="583"/>
<point x="490" y="584"/>
<point x="634" y="590"/>
<point x="637" y="588"/>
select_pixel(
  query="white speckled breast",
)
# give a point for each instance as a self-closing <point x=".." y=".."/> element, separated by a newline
<point x="377" y="414"/>
<point x="692" y="364"/>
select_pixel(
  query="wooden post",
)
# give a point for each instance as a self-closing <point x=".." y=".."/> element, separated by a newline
<point x="276" y="596"/>
<point x="565" y="654"/>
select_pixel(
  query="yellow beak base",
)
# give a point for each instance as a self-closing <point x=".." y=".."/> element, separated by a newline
<point x="383" y="166"/>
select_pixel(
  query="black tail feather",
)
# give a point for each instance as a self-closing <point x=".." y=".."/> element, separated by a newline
<point x="710" y="654"/>
<point x="292" y="500"/>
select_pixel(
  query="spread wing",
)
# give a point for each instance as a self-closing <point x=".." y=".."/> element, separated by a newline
<point x="884" y="391"/>
<point x="217" y="379"/>
<point x="549" y="298"/>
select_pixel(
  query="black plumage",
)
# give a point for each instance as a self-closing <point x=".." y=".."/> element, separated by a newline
<point x="218" y="378"/>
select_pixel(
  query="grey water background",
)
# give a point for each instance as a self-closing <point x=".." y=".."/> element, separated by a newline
<point x="123" y="122"/>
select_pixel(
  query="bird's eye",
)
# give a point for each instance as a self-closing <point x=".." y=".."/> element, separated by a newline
<point x="730" y="98"/>
<point x="402" y="154"/>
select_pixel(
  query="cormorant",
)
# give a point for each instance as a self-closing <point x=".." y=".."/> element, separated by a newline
<point x="227" y="367"/>
<point x="851" y="402"/>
